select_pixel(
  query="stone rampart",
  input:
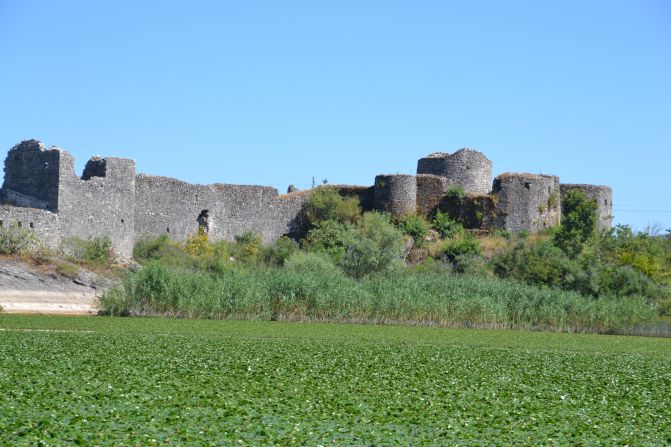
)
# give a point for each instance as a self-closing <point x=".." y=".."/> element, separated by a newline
<point x="474" y="211"/>
<point x="169" y="206"/>
<point x="431" y="190"/>
<point x="45" y="224"/>
<point x="42" y="190"/>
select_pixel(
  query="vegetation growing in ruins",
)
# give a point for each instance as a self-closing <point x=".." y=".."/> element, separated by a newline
<point x="447" y="227"/>
<point x="349" y="266"/>
<point x="553" y="200"/>
<point x="97" y="251"/>
<point x="455" y="193"/>
<point x="578" y="223"/>
<point x="352" y="269"/>
<point x="15" y="240"/>
<point x="417" y="227"/>
<point x="325" y="203"/>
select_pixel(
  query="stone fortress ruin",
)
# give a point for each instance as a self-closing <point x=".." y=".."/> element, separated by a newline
<point x="42" y="192"/>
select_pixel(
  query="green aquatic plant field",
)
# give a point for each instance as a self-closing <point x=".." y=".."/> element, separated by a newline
<point x="129" y="381"/>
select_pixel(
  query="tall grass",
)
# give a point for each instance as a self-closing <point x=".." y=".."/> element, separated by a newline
<point x="300" y="291"/>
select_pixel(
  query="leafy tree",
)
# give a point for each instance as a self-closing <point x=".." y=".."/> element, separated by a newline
<point x="578" y="222"/>
<point x="329" y="237"/>
<point x="376" y="246"/>
<point x="326" y="203"/>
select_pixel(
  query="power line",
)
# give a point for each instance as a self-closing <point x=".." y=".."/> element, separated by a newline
<point x="641" y="211"/>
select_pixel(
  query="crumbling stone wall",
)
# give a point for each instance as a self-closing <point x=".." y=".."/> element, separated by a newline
<point x="95" y="167"/>
<point x="602" y="195"/>
<point x="101" y="203"/>
<point x="169" y="206"/>
<point x="31" y="176"/>
<point x="45" y="224"/>
<point x="526" y="201"/>
<point x="396" y="194"/>
<point x="474" y="211"/>
<point x="42" y="189"/>
<point x="467" y="168"/>
<point x="431" y="190"/>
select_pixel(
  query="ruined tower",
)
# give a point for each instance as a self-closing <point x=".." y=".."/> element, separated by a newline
<point x="467" y="168"/>
<point x="528" y="202"/>
<point x="396" y="194"/>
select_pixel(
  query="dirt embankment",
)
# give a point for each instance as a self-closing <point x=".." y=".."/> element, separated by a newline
<point x="32" y="288"/>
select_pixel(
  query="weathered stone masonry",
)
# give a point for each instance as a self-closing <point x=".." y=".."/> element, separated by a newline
<point x="42" y="192"/>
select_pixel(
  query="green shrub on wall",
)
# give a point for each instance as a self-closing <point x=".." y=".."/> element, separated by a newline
<point x="95" y="251"/>
<point x="455" y="195"/>
<point x="325" y="203"/>
<point x="15" y="240"/>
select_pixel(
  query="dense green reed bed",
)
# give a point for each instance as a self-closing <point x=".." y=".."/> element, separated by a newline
<point x="110" y="381"/>
<point x="315" y="294"/>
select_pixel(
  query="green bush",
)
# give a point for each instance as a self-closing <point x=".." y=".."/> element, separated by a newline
<point x="348" y="210"/>
<point x="321" y="205"/>
<point x="325" y="203"/>
<point x="376" y="246"/>
<point x="455" y="194"/>
<point x="416" y="227"/>
<point x="501" y="233"/>
<point x="94" y="251"/>
<point x="162" y="247"/>
<point x="202" y="254"/>
<point x="543" y="263"/>
<point x="447" y="227"/>
<point x="246" y="247"/>
<point x="328" y="237"/>
<point x="465" y="245"/>
<point x="472" y="264"/>
<point x="624" y="280"/>
<point x="278" y="252"/>
<point x="15" y="240"/>
<point x="67" y="269"/>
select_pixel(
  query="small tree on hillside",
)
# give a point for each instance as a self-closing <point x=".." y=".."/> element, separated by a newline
<point x="578" y="222"/>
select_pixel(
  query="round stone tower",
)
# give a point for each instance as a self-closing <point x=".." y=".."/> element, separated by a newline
<point x="396" y="194"/>
<point x="467" y="168"/>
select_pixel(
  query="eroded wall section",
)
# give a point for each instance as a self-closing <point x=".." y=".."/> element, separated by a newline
<point x="169" y="206"/>
<point x="45" y="224"/>
<point x="101" y="203"/>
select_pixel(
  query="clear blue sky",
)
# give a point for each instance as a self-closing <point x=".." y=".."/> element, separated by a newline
<point x="278" y="92"/>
